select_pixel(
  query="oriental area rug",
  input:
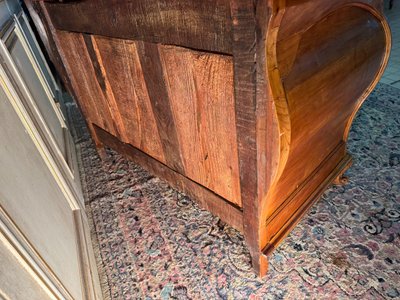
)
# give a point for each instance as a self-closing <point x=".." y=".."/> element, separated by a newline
<point x="153" y="242"/>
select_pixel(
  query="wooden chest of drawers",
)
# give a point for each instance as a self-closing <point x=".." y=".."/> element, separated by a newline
<point x="244" y="105"/>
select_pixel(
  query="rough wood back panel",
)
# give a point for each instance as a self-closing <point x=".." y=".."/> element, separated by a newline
<point x="173" y="103"/>
<point x="203" y="107"/>
<point x="85" y="84"/>
<point x="123" y="73"/>
<point x="207" y="199"/>
<point x="204" y="25"/>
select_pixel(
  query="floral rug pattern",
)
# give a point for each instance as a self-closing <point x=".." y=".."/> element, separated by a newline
<point x="155" y="243"/>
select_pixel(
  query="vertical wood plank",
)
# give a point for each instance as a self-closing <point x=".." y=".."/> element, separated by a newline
<point x="200" y="88"/>
<point x="267" y="132"/>
<point x="153" y="74"/>
<point x="244" y="53"/>
<point x="101" y="78"/>
<point x="82" y="75"/>
<point x="124" y="73"/>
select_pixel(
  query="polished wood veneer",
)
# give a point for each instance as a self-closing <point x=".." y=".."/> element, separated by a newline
<point x="244" y="105"/>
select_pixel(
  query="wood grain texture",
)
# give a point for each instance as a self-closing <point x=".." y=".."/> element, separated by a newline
<point x="157" y="89"/>
<point x="196" y="24"/>
<point x="321" y="71"/>
<point x="84" y="81"/>
<point x="264" y="127"/>
<point x="173" y="103"/>
<point x="324" y="77"/>
<point x="244" y="53"/>
<point x="124" y="73"/>
<point x="206" y="198"/>
<point x="49" y="38"/>
<point x="287" y="217"/>
<point x="203" y="107"/>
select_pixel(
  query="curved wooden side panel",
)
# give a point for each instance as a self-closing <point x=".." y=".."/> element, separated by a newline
<point x="320" y="72"/>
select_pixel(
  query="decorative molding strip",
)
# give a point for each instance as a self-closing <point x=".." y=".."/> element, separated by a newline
<point x="26" y="254"/>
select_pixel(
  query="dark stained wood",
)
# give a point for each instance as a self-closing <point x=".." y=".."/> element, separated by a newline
<point x="255" y="136"/>
<point x="153" y="75"/>
<point x="196" y="24"/>
<point x="206" y="198"/>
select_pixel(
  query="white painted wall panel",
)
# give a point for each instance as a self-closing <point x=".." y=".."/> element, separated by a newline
<point x="34" y="201"/>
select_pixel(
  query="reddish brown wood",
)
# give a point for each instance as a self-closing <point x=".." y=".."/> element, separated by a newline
<point x="248" y="113"/>
<point x="244" y="53"/>
<point x="295" y="207"/>
<point x="323" y="82"/>
<point x="121" y="61"/>
<point x="86" y="84"/>
<point x="202" y="103"/>
<point x="150" y="62"/>
<point x="206" y="198"/>
<point x="175" y="104"/>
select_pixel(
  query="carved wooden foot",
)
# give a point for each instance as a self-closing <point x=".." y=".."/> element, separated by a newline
<point x="341" y="180"/>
